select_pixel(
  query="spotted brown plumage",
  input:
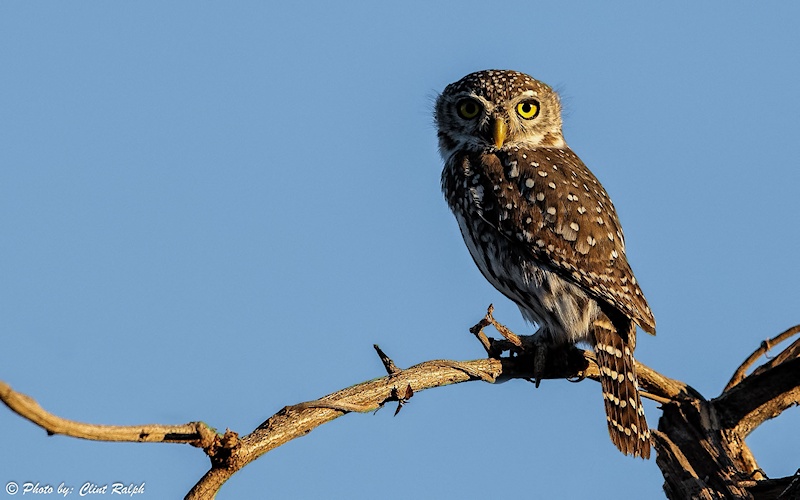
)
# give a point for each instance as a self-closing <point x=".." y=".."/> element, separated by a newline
<point x="543" y="231"/>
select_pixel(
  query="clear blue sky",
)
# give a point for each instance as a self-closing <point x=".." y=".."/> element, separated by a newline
<point x="211" y="210"/>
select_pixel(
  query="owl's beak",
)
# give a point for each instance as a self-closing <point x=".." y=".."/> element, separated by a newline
<point x="499" y="131"/>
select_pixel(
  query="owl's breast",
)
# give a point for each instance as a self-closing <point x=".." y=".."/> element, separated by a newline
<point x="542" y="209"/>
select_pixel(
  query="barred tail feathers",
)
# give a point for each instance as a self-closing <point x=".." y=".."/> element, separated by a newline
<point x="626" y="422"/>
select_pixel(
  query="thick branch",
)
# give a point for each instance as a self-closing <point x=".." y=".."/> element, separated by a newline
<point x="701" y="444"/>
<point x="760" y="397"/>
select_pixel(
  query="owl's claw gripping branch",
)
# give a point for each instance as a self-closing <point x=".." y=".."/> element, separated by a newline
<point x="530" y="346"/>
<point x="539" y="360"/>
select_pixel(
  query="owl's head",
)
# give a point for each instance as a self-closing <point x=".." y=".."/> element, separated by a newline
<point x="494" y="109"/>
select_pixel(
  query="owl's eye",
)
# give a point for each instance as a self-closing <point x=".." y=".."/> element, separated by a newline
<point x="468" y="108"/>
<point x="528" y="109"/>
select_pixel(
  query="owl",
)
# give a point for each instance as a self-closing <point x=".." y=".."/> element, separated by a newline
<point x="543" y="231"/>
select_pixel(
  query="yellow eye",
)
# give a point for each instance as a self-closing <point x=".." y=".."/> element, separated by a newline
<point x="528" y="109"/>
<point x="468" y="108"/>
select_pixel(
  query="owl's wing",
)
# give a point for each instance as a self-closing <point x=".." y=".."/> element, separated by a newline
<point x="550" y="204"/>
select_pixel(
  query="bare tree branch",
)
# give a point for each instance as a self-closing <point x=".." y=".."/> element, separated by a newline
<point x="194" y="433"/>
<point x="791" y="352"/>
<point x="699" y="443"/>
<point x="760" y="397"/>
<point x="765" y="346"/>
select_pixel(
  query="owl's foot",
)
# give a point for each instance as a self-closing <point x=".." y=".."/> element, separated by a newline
<point x="534" y="347"/>
<point x="541" y="352"/>
<point x="546" y="359"/>
<point x="550" y="360"/>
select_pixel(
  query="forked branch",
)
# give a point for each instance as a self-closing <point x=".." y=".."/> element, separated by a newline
<point x="229" y="452"/>
<point x="762" y="350"/>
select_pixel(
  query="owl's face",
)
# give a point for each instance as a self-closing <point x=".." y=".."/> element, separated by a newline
<point x="496" y="109"/>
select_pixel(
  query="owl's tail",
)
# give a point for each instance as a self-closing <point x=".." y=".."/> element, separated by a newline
<point x="626" y="423"/>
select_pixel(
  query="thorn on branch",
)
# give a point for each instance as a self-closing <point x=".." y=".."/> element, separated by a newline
<point x="402" y="399"/>
<point x="391" y="368"/>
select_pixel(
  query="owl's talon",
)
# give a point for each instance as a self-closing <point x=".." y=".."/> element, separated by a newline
<point x="540" y="349"/>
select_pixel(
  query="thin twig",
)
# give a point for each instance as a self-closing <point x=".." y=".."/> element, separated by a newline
<point x="486" y="342"/>
<point x="502" y="329"/>
<point x="194" y="433"/>
<point x="765" y="346"/>
<point x="653" y="397"/>
<point x="791" y="352"/>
